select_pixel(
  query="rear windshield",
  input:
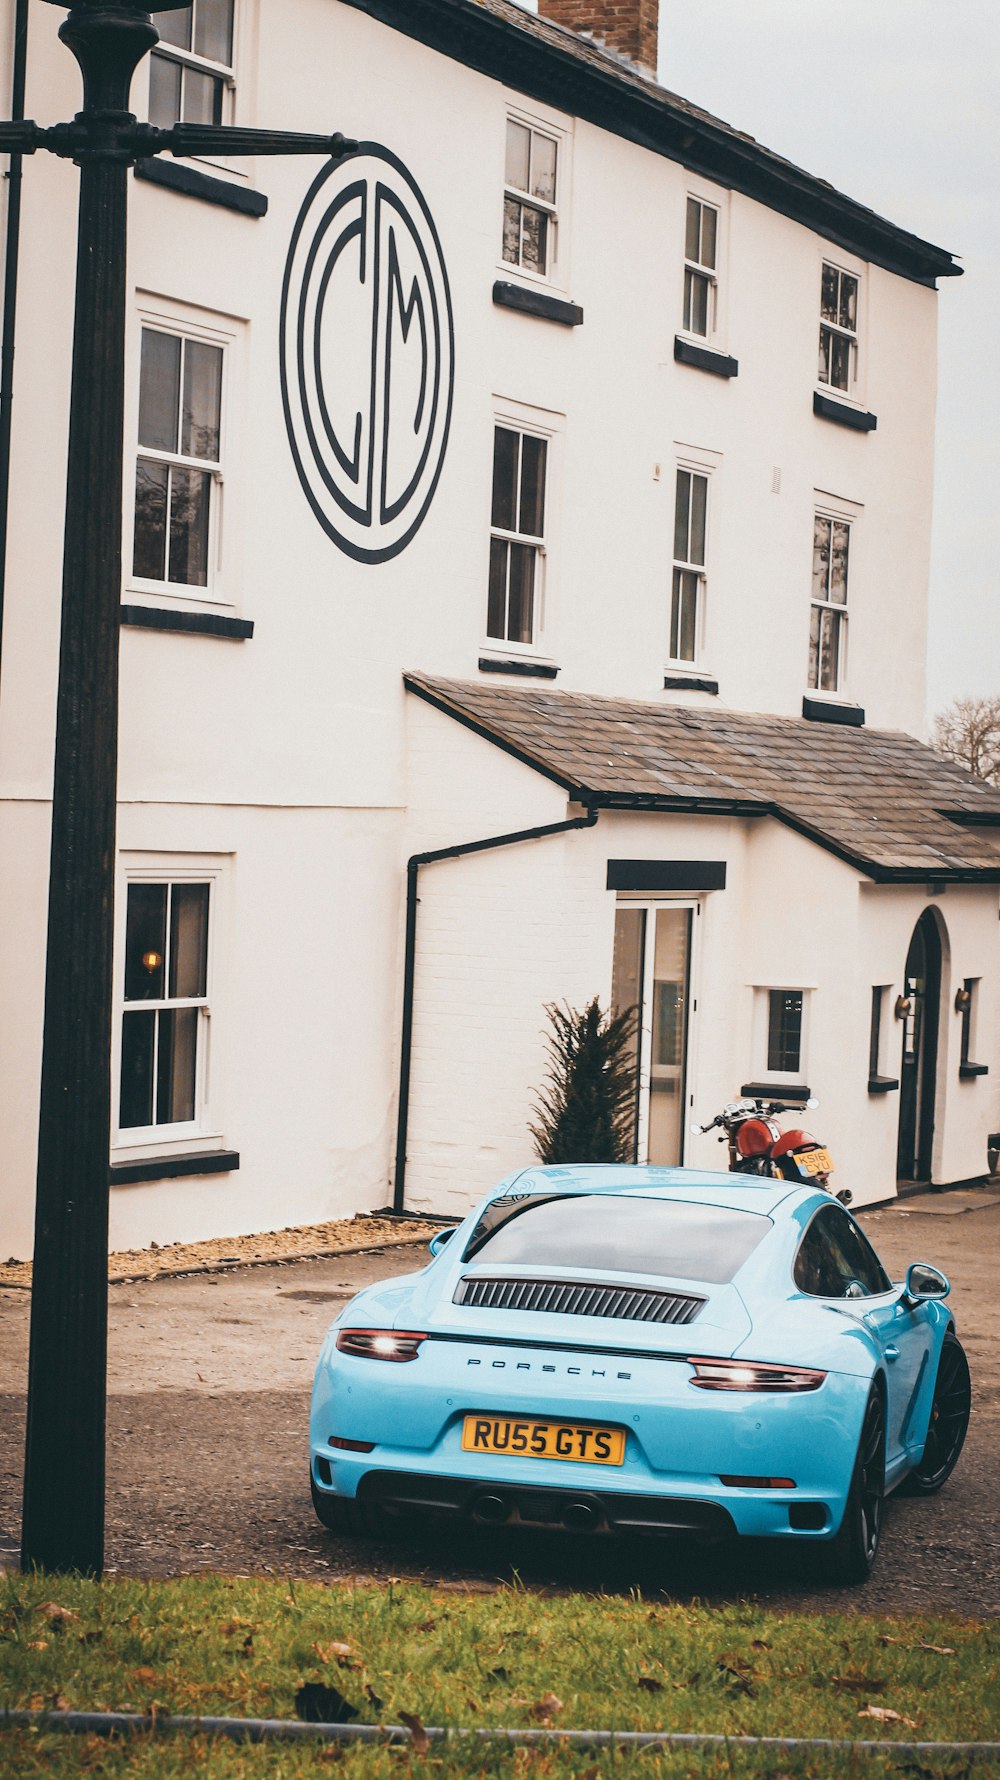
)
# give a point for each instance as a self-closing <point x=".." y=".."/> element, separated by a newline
<point x="609" y="1232"/>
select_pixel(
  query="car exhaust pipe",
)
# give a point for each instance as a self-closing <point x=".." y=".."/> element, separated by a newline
<point x="580" y="1517"/>
<point x="493" y="1510"/>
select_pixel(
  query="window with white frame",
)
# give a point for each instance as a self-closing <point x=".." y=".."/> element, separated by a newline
<point x="828" y="620"/>
<point x="688" y="588"/>
<point x="163" y="1073"/>
<point x="530" y="206"/>
<point x="517" y="537"/>
<point x="784" y="1031"/>
<point x="191" y="68"/>
<point x="838" y="328"/>
<point x="179" y="461"/>
<point x="701" y="252"/>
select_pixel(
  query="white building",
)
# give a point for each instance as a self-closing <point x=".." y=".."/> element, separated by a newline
<point x="564" y="455"/>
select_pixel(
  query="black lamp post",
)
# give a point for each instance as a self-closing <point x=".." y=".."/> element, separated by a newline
<point x="63" y="1523"/>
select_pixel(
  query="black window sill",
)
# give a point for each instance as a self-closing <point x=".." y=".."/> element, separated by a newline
<point x="821" y="710"/>
<point x="193" y="184"/>
<point x="537" y="302"/>
<point x="689" y="683"/>
<point x="968" y="1071"/>
<point x="704" y="359"/>
<point x="797" y="1091"/>
<point x="208" y="624"/>
<point x="531" y="670"/>
<point x="125" y="1174"/>
<point x="842" y="415"/>
<point x="882" y="1084"/>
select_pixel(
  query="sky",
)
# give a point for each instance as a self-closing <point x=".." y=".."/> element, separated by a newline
<point x="897" y="103"/>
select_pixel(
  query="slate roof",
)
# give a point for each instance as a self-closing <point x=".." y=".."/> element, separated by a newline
<point x="878" y="799"/>
<point x="576" y="74"/>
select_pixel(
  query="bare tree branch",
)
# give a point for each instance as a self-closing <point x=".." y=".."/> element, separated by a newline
<point x="968" y="732"/>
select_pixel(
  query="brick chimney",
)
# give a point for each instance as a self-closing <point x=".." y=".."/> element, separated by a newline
<point x="629" y="27"/>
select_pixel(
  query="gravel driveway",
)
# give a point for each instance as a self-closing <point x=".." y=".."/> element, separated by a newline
<point x="207" y="1459"/>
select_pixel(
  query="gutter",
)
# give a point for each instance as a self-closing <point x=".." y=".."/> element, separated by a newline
<point x="11" y="254"/>
<point x="561" y="68"/>
<point x="409" y="966"/>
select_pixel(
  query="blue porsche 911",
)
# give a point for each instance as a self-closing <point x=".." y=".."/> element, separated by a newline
<point x="644" y="1350"/>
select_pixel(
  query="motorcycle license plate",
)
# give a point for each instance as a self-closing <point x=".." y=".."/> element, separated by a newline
<point x="814" y="1161"/>
<point x="530" y="1439"/>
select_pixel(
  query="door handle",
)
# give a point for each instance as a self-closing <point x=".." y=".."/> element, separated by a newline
<point x="892" y="1353"/>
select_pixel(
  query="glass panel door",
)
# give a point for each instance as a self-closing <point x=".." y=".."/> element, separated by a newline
<point x="626" y="990"/>
<point x="652" y="967"/>
<point x="669" y="1035"/>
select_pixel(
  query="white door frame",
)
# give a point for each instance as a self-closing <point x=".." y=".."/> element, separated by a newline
<point x="650" y="905"/>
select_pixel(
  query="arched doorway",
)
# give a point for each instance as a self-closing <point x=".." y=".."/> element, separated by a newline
<point x="918" y="1066"/>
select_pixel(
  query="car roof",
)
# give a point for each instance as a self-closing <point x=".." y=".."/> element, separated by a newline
<point x="700" y="1186"/>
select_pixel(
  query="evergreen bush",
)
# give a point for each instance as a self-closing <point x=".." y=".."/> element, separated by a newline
<point x="587" y="1111"/>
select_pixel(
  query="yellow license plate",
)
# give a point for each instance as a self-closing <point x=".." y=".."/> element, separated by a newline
<point x="543" y="1440"/>
<point x="815" y="1161"/>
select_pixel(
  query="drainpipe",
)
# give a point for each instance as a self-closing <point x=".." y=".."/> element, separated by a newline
<point x="11" y="251"/>
<point x="412" y="869"/>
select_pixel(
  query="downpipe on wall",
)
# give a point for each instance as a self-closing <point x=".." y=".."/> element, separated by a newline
<point x="409" y="965"/>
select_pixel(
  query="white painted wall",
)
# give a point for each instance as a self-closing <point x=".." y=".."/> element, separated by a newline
<point x="299" y="756"/>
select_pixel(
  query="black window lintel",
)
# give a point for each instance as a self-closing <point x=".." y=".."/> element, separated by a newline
<point x="209" y="624"/>
<point x="666" y="874"/>
<point x="822" y="710"/>
<point x="704" y="359"/>
<point x="537" y="302"/>
<point x="842" y="415"/>
<point x="533" y="670"/>
<point x="192" y="183"/>
<point x="123" y="1174"/>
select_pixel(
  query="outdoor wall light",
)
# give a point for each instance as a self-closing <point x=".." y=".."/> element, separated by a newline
<point x="962" y="998"/>
<point x="904" y="1006"/>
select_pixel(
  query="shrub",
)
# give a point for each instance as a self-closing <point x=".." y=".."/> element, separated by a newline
<point x="587" y="1111"/>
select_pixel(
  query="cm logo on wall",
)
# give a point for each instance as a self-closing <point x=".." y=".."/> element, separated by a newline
<point x="367" y="353"/>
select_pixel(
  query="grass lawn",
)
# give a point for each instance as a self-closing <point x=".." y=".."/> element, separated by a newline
<point x="244" y="1647"/>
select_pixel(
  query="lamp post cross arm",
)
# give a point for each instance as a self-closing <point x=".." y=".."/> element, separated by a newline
<point x="123" y="139"/>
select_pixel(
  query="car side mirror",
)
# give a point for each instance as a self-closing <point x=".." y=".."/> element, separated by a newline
<point x="437" y="1242"/>
<point x="924" y="1282"/>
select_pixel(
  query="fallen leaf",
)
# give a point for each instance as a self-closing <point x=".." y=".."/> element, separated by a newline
<point x="886" y="1715"/>
<point x="419" y="1740"/>
<point x="58" y="1617"/>
<point x="341" y="1654"/>
<point x="761" y="1644"/>
<point x="248" y="1644"/>
<point x="649" y="1684"/>
<point x="145" y="1676"/>
<point x="855" y="1682"/>
<point x="546" y="1708"/>
<point x="38" y="1644"/>
<point x="317" y="1703"/>
<point x="59" y="1703"/>
<point x="426" y="1625"/>
<point x="373" y="1696"/>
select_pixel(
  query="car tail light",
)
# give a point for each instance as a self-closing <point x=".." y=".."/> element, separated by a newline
<point x="752" y="1375"/>
<point x="379" y="1344"/>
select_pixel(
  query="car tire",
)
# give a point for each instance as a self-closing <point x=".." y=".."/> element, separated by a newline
<point x="849" y="1558"/>
<point x="339" y="1514"/>
<point x="949" y="1421"/>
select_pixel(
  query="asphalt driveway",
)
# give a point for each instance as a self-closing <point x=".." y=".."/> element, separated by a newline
<point x="209" y="1382"/>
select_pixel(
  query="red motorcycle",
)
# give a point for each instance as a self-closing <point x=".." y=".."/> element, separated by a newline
<point x="758" y="1145"/>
